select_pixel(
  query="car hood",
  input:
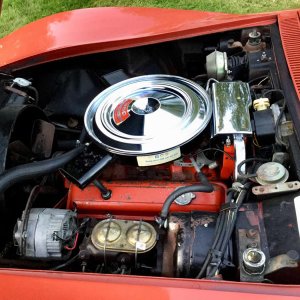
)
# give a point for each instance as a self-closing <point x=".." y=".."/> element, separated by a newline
<point x="104" y="29"/>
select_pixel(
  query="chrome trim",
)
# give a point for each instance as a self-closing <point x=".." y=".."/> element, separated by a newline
<point x="162" y="112"/>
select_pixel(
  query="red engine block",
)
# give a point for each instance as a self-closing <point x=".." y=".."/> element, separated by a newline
<point x="133" y="199"/>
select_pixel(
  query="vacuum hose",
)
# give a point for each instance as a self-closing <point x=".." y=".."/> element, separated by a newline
<point x="204" y="187"/>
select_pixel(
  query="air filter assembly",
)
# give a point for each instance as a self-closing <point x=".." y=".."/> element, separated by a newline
<point x="148" y="115"/>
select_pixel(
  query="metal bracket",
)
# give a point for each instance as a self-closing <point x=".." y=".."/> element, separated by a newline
<point x="286" y="128"/>
<point x="22" y="82"/>
<point x="279" y="262"/>
<point x="276" y="188"/>
<point x="240" y="153"/>
<point x="201" y="161"/>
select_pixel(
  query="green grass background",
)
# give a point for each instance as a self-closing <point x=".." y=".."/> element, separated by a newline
<point x="17" y="13"/>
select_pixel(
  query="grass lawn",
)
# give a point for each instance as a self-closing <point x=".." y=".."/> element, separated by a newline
<point x="16" y="13"/>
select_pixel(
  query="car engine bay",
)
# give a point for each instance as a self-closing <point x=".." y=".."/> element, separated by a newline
<point x="177" y="159"/>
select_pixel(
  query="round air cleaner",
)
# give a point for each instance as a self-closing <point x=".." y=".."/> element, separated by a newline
<point x="148" y="115"/>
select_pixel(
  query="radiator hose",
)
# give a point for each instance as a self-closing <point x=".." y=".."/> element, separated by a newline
<point x="204" y="187"/>
<point x="36" y="169"/>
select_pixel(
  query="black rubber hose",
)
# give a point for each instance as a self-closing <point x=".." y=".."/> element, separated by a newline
<point x="36" y="169"/>
<point x="204" y="187"/>
<point x="65" y="145"/>
<point x="239" y="167"/>
<point x="83" y="135"/>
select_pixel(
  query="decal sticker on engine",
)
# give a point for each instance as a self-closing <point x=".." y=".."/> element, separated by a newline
<point x="151" y="160"/>
<point x="121" y="112"/>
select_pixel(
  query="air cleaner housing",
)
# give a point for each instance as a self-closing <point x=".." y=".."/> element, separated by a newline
<point x="148" y="115"/>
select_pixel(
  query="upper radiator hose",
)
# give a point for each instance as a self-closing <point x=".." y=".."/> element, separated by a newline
<point x="36" y="169"/>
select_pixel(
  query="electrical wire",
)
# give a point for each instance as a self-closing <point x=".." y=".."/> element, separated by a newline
<point x="255" y="141"/>
<point x="210" y="149"/>
<point x="35" y="191"/>
<point x="200" y="76"/>
<point x="36" y="93"/>
<point x="277" y="124"/>
<point x="273" y="91"/>
<point x="224" y="229"/>
<point x="220" y="227"/>
<point x="67" y="263"/>
<point x="232" y="216"/>
<point x="74" y="244"/>
<point x="77" y="231"/>
<point x="277" y="127"/>
<point x="262" y="78"/>
<point x="216" y="149"/>
<point x="6" y="74"/>
<point x="32" y="197"/>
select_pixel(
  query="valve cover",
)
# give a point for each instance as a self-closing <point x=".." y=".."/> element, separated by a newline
<point x="148" y="114"/>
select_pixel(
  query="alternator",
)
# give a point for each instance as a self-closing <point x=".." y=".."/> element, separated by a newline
<point x="45" y="232"/>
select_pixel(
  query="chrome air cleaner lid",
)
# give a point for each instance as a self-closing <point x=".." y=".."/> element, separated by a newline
<point x="148" y="114"/>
